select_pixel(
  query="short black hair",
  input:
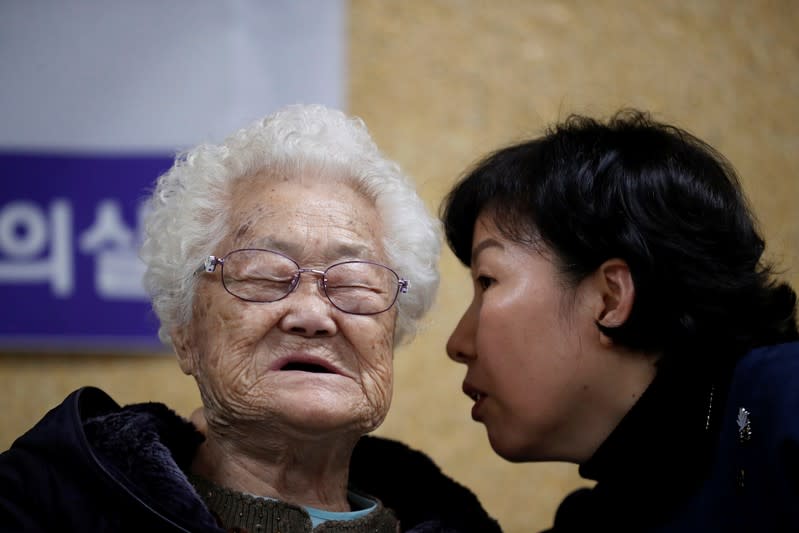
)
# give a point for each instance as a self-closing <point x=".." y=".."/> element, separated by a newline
<point x="649" y="193"/>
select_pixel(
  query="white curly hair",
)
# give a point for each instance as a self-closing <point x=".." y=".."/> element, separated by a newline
<point x="187" y="212"/>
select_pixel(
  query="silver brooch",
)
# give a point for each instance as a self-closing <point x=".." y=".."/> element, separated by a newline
<point x="744" y="435"/>
<point x="744" y="426"/>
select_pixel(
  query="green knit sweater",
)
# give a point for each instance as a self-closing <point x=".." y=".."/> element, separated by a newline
<point x="243" y="513"/>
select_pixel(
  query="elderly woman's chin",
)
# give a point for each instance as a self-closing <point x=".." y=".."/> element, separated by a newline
<point x="312" y="410"/>
<point x="330" y="413"/>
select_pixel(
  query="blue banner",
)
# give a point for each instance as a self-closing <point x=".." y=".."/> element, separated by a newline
<point x="70" y="229"/>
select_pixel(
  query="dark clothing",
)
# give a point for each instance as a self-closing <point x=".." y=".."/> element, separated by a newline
<point x="91" y="465"/>
<point x="694" y="458"/>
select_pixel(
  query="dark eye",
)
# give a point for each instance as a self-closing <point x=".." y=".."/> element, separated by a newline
<point x="484" y="282"/>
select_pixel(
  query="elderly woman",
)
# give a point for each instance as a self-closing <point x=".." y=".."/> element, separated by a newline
<point x="284" y="265"/>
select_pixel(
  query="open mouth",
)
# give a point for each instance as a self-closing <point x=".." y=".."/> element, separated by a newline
<point x="306" y="367"/>
<point x="473" y="393"/>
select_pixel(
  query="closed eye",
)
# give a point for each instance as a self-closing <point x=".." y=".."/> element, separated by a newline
<point x="352" y="287"/>
<point x="484" y="282"/>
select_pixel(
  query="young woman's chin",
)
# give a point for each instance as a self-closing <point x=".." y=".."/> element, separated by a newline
<point x="508" y="448"/>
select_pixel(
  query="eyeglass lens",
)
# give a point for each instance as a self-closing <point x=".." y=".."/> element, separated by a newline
<point x="354" y="286"/>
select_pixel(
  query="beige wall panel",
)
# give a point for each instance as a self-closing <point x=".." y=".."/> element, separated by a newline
<point x="441" y="82"/>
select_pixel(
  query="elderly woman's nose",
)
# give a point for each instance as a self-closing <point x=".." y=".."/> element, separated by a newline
<point x="309" y="312"/>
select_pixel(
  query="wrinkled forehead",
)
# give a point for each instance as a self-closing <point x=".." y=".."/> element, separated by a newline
<point x="295" y="214"/>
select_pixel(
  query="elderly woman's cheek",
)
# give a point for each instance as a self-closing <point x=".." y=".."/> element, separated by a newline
<point x="225" y="340"/>
<point x="378" y="379"/>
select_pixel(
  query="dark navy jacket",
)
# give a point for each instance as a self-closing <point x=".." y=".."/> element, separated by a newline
<point x="92" y="466"/>
<point x="657" y="473"/>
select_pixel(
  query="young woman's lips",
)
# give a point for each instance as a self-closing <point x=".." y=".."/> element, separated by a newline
<point x="478" y="397"/>
<point x="476" y="408"/>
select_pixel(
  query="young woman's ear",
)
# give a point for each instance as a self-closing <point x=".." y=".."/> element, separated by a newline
<point x="615" y="283"/>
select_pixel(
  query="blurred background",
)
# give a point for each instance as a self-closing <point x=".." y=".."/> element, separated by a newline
<point x="438" y="82"/>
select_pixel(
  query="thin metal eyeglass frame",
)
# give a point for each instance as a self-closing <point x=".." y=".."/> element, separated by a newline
<point x="210" y="263"/>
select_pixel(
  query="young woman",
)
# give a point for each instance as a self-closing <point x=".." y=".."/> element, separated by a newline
<point x="623" y="320"/>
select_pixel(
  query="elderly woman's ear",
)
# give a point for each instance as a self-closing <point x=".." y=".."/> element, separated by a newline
<point x="184" y="349"/>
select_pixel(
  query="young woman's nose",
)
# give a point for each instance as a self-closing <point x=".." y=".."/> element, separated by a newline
<point x="460" y="346"/>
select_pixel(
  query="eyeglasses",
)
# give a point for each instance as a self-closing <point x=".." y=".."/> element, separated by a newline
<point x="354" y="287"/>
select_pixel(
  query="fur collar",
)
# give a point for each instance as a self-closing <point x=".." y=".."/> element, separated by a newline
<point x="147" y="447"/>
